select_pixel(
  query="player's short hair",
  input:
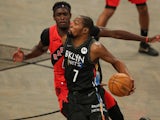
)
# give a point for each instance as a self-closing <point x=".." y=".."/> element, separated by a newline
<point x="87" y="22"/>
<point x="61" y="4"/>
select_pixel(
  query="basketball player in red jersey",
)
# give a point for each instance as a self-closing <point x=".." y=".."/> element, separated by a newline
<point x="142" y="8"/>
<point x="51" y="38"/>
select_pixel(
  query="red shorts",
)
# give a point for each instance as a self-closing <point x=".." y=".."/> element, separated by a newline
<point x="115" y="3"/>
<point x="61" y="89"/>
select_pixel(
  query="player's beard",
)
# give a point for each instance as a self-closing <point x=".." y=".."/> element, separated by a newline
<point x="64" y="28"/>
<point x="70" y="34"/>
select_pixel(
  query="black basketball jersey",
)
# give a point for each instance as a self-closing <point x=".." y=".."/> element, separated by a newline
<point x="79" y="70"/>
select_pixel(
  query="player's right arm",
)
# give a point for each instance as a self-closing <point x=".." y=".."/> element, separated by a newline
<point x="38" y="49"/>
<point x="122" y="35"/>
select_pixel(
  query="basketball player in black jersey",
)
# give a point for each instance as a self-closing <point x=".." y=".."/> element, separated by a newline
<point x="82" y="53"/>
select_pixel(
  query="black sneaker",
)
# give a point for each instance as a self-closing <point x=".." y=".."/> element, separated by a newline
<point x="144" y="118"/>
<point x="149" y="51"/>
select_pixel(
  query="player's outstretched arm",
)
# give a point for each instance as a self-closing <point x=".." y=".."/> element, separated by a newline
<point x="19" y="56"/>
<point x="125" y="35"/>
<point x="153" y="39"/>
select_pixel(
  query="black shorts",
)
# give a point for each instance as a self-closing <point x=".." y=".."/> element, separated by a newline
<point x="86" y="106"/>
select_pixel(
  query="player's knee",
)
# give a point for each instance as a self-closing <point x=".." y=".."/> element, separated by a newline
<point x="142" y="9"/>
<point x="108" y="12"/>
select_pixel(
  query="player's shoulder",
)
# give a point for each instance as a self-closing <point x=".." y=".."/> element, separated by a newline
<point x="96" y="45"/>
<point x="45" y="30"/>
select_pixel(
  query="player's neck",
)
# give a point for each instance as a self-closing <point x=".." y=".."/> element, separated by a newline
<point x="79" y="40"/>
<point x="62" y="32"/>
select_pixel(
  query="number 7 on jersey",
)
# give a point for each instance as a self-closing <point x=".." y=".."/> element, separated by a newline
<point x="75" y="75"/>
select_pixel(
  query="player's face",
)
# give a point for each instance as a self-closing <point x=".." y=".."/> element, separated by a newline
<point x="62" y="17"/>
<point x="76" y="27"/>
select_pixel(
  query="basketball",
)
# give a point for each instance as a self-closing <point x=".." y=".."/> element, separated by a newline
<point x="120" y="84"/>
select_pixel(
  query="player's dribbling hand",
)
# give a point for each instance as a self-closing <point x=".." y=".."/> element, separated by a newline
<point x="133" y="87"/>
<point x="18" y="56"/>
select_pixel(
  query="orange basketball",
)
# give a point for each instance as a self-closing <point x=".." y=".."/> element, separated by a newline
<point x="120" y="84"/>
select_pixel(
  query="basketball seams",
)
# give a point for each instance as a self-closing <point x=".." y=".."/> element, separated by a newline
<point x="124" y="82"/>
<point x="117" y="89"/>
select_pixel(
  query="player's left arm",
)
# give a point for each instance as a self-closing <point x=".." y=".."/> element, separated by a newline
<point x="98" y="51"/>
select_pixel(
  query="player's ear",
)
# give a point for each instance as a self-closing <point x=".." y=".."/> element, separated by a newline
<point x="85" y="30"/>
